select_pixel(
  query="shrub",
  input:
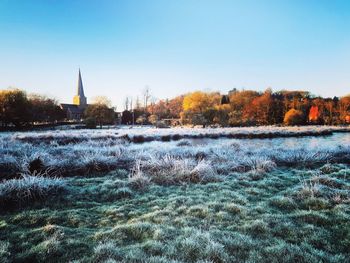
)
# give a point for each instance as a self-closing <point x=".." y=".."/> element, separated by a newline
<point x="161" y="125"/>
<point x="90" y="123"/>
<point x="294" y="117"/>
<point x="153" y="119"/>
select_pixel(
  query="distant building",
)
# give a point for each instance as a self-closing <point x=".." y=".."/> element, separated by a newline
<point x="76" y="110"/>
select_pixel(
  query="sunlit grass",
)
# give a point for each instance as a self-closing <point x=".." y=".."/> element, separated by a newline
<point x="233" y="220"/>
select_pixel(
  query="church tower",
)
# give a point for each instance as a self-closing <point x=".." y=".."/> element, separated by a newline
<point x="80" y="98"/>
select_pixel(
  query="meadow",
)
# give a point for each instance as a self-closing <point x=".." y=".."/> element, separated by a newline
<point x="267" y="194"/>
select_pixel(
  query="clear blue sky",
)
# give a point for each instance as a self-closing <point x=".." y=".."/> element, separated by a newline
<point x="174" y="46"/>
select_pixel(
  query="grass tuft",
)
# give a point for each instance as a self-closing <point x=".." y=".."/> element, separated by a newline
<point x="29" y="189"/>
<point x="4" y="251"/>
<point x="138" y="180"/>
<point x="106" y="252"/>
<point x="170" y="170"/>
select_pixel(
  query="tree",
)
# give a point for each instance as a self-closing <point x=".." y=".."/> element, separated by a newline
<point x="240" y="102"/>
<point x="137" y="104"/>
<point x="102" y="100"/>
<point x="294" y="117"/>
<point x="344" y="109"/>
<point x="141" y="119"/>
<point x="90" y="123"/>
<point x="198" y="107"/>
<point x="221" y="114"/>
<point x="146" y="97"/>
<point x="159" y="109"/>
<point x="188" y="117"/>
<point x="153" y="119"/>
<point x="14" y="108"/>
<point x="44" y="109"/>
<point x="127" y="103"/>
<point x="126" y="117"/>
<point x="101" y="111"/>
<point x="225" y="99"/>
<point x="259" y="111"/>
<point x="174" y="106"/>
<point x="199" y="101"/>
<point x="314" y="114"/>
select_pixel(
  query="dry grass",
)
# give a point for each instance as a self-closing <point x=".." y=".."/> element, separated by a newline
<point x="29" y="188"/>
<point x="169" y="170"/>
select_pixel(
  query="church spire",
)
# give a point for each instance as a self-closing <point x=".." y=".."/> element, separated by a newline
<point x="80" y="89"/>
<point x="80" y="99"/>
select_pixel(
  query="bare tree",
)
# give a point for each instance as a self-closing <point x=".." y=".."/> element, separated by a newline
<point x="138" y="104"/>
<point x="126" y="103"/>
<point x="146" y="97"/>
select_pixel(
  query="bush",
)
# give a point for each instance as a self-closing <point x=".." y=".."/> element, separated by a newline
<point x="161" y="125"/>
<point x="153" y="119"/>
<point x="90" y="123"/>
<point x="294" y="117"/>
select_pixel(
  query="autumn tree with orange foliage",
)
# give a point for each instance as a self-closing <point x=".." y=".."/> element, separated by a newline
<point x="294" y="117"/>
<point x="167" y="109"/>
<point x="199" y="106"/>
<point x="314" y="114"/>
<point x="259" y="111"/>
<point x="344" y="109"/>
<point x="239" y="100"/>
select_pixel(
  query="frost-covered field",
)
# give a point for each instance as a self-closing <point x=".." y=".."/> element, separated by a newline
<point x="141" y="134"/>
<point x="183" y="195"/>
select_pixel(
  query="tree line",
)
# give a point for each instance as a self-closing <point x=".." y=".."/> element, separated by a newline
<point x="245" y="108"/>
<point x="237" y="108"/>
<point x="19" y="109"/>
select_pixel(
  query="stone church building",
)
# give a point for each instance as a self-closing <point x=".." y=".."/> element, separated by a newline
<point x="76" y="110"/>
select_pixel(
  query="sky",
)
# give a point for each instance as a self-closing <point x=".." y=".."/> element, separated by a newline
<point x="174" y="47"/>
